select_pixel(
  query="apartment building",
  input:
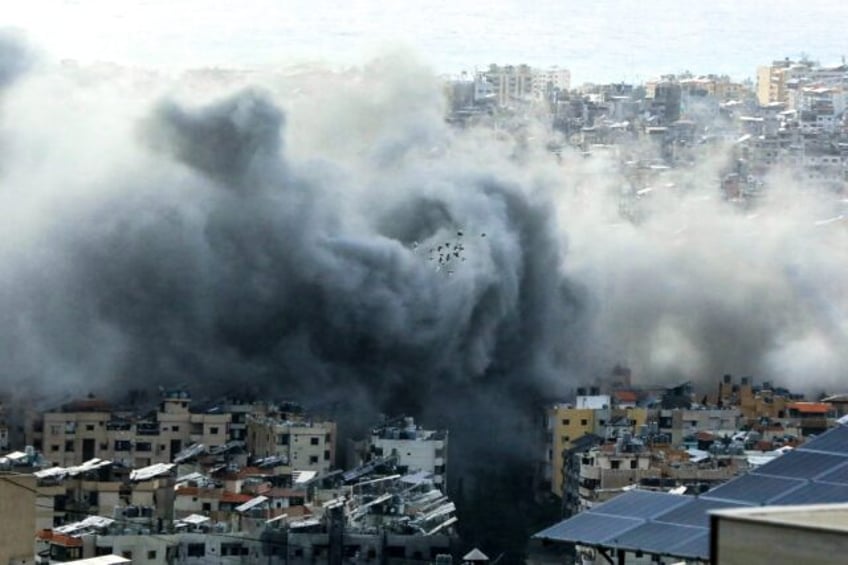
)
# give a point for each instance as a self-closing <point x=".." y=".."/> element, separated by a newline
<point x="415" y="448"/>
<point x="511" y="84"/>
<point x="300" y="442"/>
<point x="597" y="415"/>
<point x="547" y="81"/>
<point x="87" y="429"/>
<point x="775" y="81"/>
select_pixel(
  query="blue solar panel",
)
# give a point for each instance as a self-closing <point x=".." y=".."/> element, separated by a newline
<point x="753" y="489"/>
<point x="802" y="464"/>
<point x="815" y="493"/>
<point x="694" y="513"/>
<point x="697" y="547"/>
<point x="641" y="504"/>
<point x="838" y="475"/>
<point x="654" y="537"/>
<point x="834" y="440"/>
<point x="678" y="526"/>
<point x="589" y="528"/>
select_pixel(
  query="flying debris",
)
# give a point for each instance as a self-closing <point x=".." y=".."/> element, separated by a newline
<point x="446" y="253"/>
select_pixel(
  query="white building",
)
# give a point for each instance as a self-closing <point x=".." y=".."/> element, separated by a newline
<point x="546" y="81"/>
<point x="416" y="449"/>
<point x="594" y="402"/>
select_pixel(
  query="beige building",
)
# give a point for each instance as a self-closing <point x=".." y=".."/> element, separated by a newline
<point x="780" y="535"/>
<point x="86" y="429"/>
<point x="566" y="424"/>
<point x="302" y="444"/>
<point x="774" y="81"/>
<point x="17" y="518"/>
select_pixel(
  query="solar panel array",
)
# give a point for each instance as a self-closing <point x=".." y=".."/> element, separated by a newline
<point x="678" y="526"/>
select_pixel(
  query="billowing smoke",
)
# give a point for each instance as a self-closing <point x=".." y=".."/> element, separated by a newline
<point x="157" y="241"/>
<point x="326" y="236"/>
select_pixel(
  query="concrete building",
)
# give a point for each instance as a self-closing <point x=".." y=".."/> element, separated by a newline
<point x="416" y="449"/>
<point x="512" y="84"/>
<point x="299" y="442"/>
<point x="546" y="82"/>
<point x="776" y="80"/>
<point x="88" y="429"/>
<point x="781" y="535"/>
<point x="17" y="518"/>
<point x="594" y="414"/>
<point x="565" y="425"/>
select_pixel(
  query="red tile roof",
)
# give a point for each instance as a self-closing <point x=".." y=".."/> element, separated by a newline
<point x="235" y="497"/>
<point x="625" y="395"/>
<point x="811" y="407"/>
<point x="59" y="539"/>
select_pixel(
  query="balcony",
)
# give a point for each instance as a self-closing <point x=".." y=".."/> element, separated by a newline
<point x="118" y="426"/>
<point x="147" y="428"/>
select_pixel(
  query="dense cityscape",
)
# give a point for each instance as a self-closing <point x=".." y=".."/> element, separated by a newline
<point x="615" y="462"/>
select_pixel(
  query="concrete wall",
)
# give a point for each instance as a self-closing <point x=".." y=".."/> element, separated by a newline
<point x="17" y="518"/>
<point x="761" y="543"/>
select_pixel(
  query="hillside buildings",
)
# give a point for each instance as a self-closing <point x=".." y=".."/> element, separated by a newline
<point x="274" y="495"/>
<point x="90" y="428"/>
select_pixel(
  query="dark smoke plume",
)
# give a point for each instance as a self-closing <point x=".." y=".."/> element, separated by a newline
<point x="325" y="236"/>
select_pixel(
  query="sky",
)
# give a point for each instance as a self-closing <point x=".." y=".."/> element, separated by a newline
<point x="604" y="40"/>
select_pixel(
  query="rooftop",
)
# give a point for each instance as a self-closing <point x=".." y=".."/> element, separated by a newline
<point x="677" y="525"/>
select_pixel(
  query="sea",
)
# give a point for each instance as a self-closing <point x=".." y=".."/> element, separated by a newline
<point x="597" y="40"/>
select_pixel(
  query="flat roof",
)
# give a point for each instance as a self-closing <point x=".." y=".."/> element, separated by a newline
<point x="638" y="520"/>
<point x="832" y="517"/>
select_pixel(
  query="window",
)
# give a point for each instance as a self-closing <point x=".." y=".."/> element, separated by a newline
<point x="196" y="550"/>
<point x="615" y="464"/>
<point x="213" y="430"/>
<point x="232" y="549"/>
<point x="566" y="422"/>
<point x="151" y="554"/>
<point x="584" y="422"/>
<point x="143" y="446"/>
<point x="127" y="554"/>
<point x="175" y="428"/>
<point x="69" y="446"/>
<point x="566" y="439"/>
<point x="634" y="464"/>
<point x="54" y="448"/>
<point x="326" y="455"/>
<point x="104" y="446"/>
<point x="122" y="445"/>
<point x="207" y="506"/>
<point x="313" y="459"/>
<point x="89" y="427"/>
<point x="313" y="441"/>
